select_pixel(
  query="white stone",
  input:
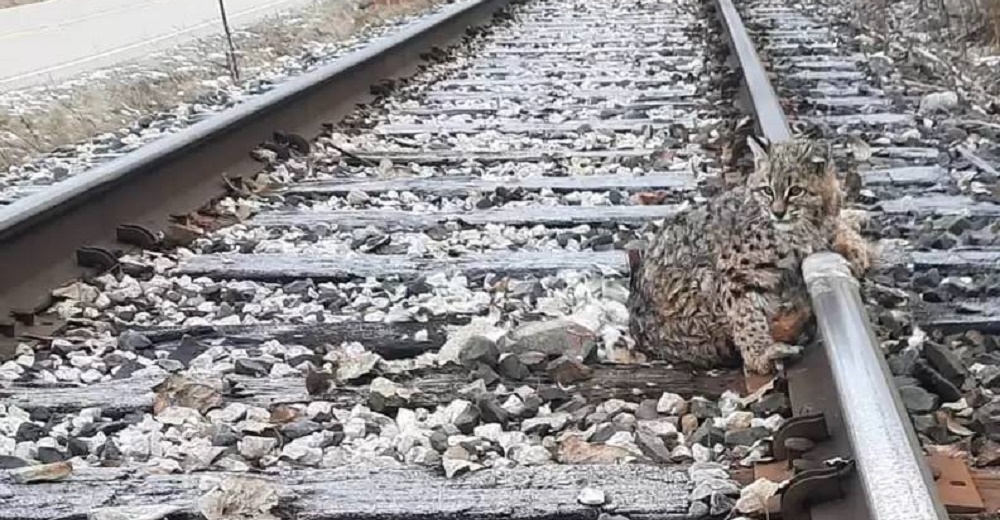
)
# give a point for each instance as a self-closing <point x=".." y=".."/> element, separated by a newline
<point x="355" y="429"/>
<point x="490" y="432"/>
<point x="533" y="455"/>
<point x="178" y="415"/>
<point x="591" y="497"/>
<point x="231" y="414"/>
<point x="300" y="451"/>
<point x="701" y="453"/>
<point x="91" y="376"/>
<point x="938" y="101"/>
<point x="738" y="421"/>
<point x="456" y="467"/>
<point x="659" y="428"/>
<point x="671" y="404"/>
<point x="253" y="448"/>
<point x="514" y="406"/>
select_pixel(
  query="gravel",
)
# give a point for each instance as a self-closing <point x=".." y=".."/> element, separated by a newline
<point x="533" y="331"/>
<point x="945" y="373"/>
<point x="74" y="136"/>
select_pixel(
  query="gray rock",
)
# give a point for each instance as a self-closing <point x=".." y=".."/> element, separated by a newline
<point x="703" y="408"/>
<point x="486" y="374"/>
<point x="945" y="361"/>
<point x="439" y="441"/>
<point x="511" y="367"/>
<point x="491" y="411"/>
<point x="29" y="432"/>
<point x="473" y="391"/>
<point x="385" y="395"/>
<point x="712" y="486"/>
<point x="681" y="453"/>
<point x="463" y="415"/>
<point x="652" y="446"/>
<point x="721" y="504"/>
<point x="132" y="340"/>
<point x="987" y="420"/>
<point x="903" y="363"/>
<point x="224" y="435"/>
<point x="456" y="467"/>
<point x="746" y="436"/>
<point x="940" y="385"/>
<point x="938" y="102"/>
<point x="701" y="471"/>
<point x="567" y="371"/>
<point x="358" y="366"/>
<point x="110" y="452"/>
<point x="918" y="400"/>
<point x="603" y="432"/>
<point x="545" y="425"/>
<point x="698" y="510"/>
<point x="533" y="360"/>
<point x="708" y="435"/>
<point x="532" y="455"/>
<point x="424" y="457"/>
<point x="554" y="338"/>
<point x="300" y="428"/>
<point x="12" y="462"/>
<point x="49" y="455"/>
<point x="553" y="394"/>
<point x="671" y="404"/>
<point x="253" y="447"/>
<point x="170" y="365"/>
<point x="252" y="367"/>
<point x="647" y="410"/>
<point x="479" y="349"/>
<point x="772" y="403"/>
<point x="990" y="376"/>
<point x="575" y="403"/>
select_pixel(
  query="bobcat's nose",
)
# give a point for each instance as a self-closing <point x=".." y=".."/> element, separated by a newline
<point x="778" y="211"/>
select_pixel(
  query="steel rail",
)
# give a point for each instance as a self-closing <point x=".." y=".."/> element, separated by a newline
<point x="863" y="411"/>
<point x="895" y="477"/>
<point x="41" y="234"/>
<point x="768" y="115"/>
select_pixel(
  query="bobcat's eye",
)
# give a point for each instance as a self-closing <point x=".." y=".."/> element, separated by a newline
<point x="766" y="190"/>
<point x="795" y="191"/>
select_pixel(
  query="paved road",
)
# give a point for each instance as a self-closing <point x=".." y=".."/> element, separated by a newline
<point x="53" y="39"/>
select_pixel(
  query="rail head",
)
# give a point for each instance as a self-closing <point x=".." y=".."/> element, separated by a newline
<point x="894" y="476"/>
<point x="764" y="101"/>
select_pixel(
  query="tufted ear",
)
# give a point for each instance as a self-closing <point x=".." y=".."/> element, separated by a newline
<point x="821" y="154"/>
<point x="759" y="154"/>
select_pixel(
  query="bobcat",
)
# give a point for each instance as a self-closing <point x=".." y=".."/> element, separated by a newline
<point x="723" y="280"/>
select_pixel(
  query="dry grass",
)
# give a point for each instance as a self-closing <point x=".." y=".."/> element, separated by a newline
<point x="107" y="106"/>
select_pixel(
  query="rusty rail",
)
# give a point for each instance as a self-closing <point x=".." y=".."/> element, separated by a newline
<point x="41" y="236"/>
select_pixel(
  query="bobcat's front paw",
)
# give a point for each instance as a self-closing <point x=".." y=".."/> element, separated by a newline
<point x="784" y="352"/>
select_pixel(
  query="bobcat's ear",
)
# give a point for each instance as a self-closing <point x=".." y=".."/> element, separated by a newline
<point x="759" y="154"/>
<point x="821" y="156"/>
<point x="821" y="152"/>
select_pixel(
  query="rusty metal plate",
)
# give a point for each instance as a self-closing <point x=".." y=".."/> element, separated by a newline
<point x="955" y="486"/>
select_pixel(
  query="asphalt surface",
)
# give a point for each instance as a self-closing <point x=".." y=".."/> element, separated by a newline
<point x="52" y="40"/>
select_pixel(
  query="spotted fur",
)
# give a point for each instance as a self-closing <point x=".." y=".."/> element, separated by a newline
<point x="722" y="281"/>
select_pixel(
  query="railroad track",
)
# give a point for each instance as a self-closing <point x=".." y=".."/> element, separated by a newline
<point x="453" y="251"/>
